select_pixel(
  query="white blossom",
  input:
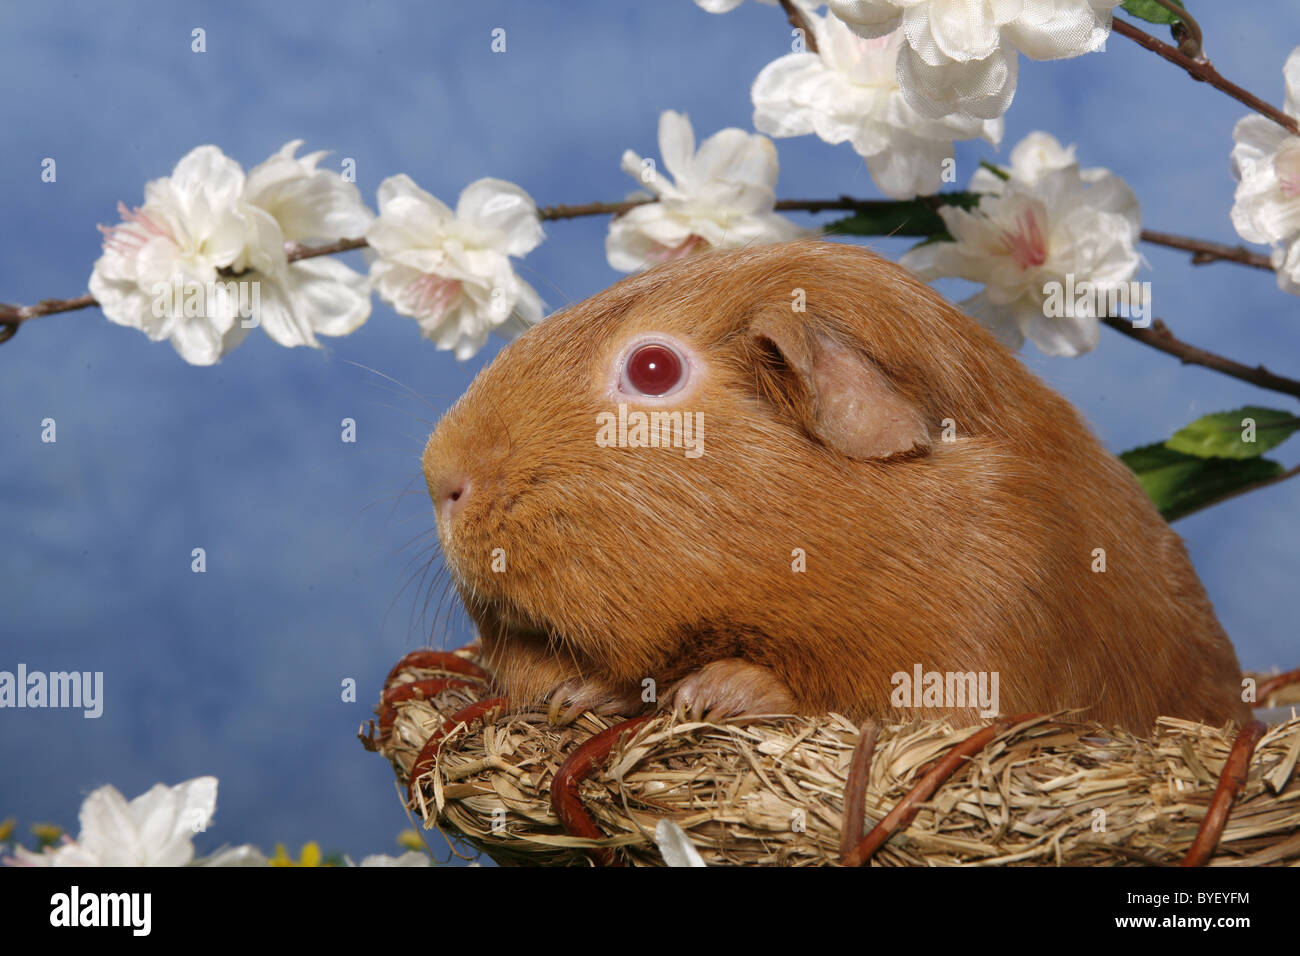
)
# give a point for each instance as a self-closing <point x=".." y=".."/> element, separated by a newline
<point x="1266" y="163"/>
<point x="962" y="56"/>
<point x="155" y="829"/>
<point x="204" y="260"/>
<point x="451" y="271"/>
<point x="721" y="197"/>
<point x="308" y="205"/>
<point x="192" y="225"/>
<point x="1049" y="223"/>
<point x="848" y="92"/>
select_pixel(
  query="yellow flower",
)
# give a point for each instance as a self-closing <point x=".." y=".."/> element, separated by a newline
<point x="7" y="830"/>
<point x="47" y="833"/>
<point x="411" y="840"/>
<point x="311" y="856"/>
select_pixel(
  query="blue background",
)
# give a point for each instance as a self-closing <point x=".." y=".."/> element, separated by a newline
<point x="315" y="548"/>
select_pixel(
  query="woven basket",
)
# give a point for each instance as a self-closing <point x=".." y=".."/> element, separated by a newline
<point x="1044" y="790"/>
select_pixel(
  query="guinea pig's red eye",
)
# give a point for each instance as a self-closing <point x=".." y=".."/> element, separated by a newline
<point x="653" y="369"/>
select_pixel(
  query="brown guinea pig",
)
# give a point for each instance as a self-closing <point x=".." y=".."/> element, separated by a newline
<point x="795" y="479"/>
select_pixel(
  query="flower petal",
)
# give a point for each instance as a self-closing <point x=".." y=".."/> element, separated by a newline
<point x="677" y="144"/>
<point x="334" y="299"/>
<point x="868" y="18"/>
<point x="504" y="207"/>
<point x="978" y="88"/>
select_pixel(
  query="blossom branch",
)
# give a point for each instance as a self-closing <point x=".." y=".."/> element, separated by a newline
<point x="1159" y="337"/>
<point x="1204" y="71"/>
<point x="310" y="252"/>
<point x="841" y="204"/>
<point x="1203" y="250"/>
<point x="11" y="316"/>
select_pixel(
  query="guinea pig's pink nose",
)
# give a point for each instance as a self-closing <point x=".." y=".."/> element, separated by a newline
<point x="450" y="495"/>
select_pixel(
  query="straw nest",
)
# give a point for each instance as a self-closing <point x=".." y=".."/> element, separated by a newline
<point x="1046" y="791"/>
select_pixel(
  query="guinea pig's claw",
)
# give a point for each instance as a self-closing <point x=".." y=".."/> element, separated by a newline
<point x="573" y="698"/>
<point x="692" y="711"/>
<point x="560" y="715"/>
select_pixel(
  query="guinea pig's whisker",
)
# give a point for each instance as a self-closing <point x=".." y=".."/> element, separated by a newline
<point x="417" y="539"/>
<point x="416" y="621"/>
<point x="430" y="574"/>
<point x="424" y="575"/>
<point x="443" y="608"/>
<point x="539" y="279"/>
<point x="429" y="423"/>
<point x="396" y="498"/>
<point x="401" y="385"/>
<point x="419" y="571"/>
<point x="450" y="608"/>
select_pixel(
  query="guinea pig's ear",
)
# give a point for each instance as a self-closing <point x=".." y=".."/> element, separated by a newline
<point x="839" y="394"/>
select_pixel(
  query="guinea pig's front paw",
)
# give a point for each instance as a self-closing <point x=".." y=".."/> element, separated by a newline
<point x="574" y="697"/>
<point x="730" y="688"/>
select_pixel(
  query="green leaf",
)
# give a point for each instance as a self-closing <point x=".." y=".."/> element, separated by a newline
<point x="1224" y="434"/>
<point x="1180" y="483"/>
<point x="1150" y="11"/>
<point x="908" y="217"/>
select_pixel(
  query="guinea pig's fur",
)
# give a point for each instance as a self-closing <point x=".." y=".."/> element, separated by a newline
<point x="947" y="505"/>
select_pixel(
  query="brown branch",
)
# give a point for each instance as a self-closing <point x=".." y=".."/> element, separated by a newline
<point x="1231" y="780"/>
<point x="841" y="204"/>
<point x="11" y="316"/>
<point x="1159" y="337"/>
<point x="310" y="252"/>
<point x="1275" y="684"/>
<point x="1205" y="72"/>
<point x="855" y="788"/>
<point x="796" y="18"/>
<point x="907" y="808"/>
<point x="1204" y="251"/>
<point x="590" y="209"/>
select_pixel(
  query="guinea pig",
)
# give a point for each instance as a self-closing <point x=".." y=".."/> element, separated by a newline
<point x="795" y="479"/>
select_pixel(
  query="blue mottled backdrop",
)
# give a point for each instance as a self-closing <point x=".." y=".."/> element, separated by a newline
<point x="315" y="547"/>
